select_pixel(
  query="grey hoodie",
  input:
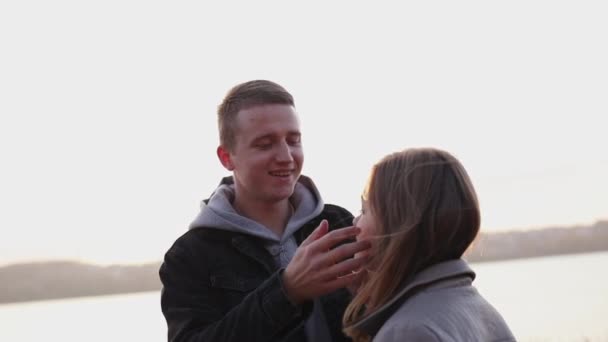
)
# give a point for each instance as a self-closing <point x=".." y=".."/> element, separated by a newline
<point x="219" y="213"/>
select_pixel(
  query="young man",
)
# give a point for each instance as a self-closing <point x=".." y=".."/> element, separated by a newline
<point x="264" y="260"/>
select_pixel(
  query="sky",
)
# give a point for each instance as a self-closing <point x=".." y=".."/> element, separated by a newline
<point x="108" y="109"/>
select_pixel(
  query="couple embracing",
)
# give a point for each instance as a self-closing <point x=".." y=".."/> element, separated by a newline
<point x="267" y="260"/>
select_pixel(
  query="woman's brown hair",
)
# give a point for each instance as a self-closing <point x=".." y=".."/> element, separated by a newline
<point x="426" y="212"/>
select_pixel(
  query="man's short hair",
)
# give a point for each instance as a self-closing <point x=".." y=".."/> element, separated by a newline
<point x="244" y="96"/>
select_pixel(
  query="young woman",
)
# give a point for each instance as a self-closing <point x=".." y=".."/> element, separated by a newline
<point x="421" y="213"/>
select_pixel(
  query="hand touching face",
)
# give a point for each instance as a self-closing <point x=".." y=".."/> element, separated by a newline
<point x="323" y="263"/>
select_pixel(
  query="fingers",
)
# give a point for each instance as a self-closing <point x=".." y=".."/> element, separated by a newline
<point x="324" y="262"/>
<point x="334" y="237"/>
<point x="346" y="251"/>
<point x="355" y="284"/>
<point x="342" y="282"/>
<point x="345" y="268"/>
<point x="358" y="276"/>
<point x="320" y="231"/>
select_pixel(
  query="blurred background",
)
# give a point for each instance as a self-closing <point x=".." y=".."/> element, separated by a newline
<point x="108" y="135"/>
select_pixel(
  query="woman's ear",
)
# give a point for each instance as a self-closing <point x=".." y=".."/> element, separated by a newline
<point x="224" y="157"/>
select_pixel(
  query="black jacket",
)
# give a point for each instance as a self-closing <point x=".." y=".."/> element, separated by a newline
<point x="225" y="286"/>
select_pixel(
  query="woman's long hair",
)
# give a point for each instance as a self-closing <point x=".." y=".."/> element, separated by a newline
<point x="426" y="212"/>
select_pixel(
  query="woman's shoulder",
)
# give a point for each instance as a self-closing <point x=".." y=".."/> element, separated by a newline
<point x="447" y="312"/>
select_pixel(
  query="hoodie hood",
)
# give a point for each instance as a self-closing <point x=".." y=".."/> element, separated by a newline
<point x="217" y="212"/>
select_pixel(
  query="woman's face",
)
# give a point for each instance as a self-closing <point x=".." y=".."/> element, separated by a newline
<point x="366" y="221"/>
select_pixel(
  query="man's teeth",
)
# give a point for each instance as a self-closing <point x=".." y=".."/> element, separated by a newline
<point x="282" y="174"/>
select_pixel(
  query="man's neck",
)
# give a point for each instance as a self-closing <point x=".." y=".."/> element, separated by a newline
<point x="274" y="216"/>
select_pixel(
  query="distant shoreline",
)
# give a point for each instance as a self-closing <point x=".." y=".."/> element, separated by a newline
<point x="38" y="281"/>
<point x="537" y="257"/>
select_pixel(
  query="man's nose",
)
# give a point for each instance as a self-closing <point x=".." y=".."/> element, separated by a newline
<point x="284" y="153"/>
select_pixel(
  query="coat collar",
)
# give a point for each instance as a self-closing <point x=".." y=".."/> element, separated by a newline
<point x="250" y="248"/>
<point x="426" y="278"/>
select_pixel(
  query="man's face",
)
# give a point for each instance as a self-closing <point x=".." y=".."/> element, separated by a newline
<point x="267" y="156"/>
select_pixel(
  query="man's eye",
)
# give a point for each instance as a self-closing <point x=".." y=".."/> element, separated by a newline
<point x="294" y="140"/>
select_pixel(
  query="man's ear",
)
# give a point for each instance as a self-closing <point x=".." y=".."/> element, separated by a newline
<point x="224" y="157"/>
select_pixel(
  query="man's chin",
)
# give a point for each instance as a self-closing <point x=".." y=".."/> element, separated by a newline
<point x="277" y="196"/>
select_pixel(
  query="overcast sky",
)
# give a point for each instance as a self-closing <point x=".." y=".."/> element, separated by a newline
<point x="108" y="126"/>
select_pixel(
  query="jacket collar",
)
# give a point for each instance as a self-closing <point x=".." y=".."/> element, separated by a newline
<point x="251" y="249"/>
<point x="428" y="277"/>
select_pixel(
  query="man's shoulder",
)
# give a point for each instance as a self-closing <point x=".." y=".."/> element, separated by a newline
<point x="336" y="215"/>
<point x="201" y="239"/>
<point x="334" y="208"/>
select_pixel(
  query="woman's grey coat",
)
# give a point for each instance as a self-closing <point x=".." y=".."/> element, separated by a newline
<point x="439" y="304"/>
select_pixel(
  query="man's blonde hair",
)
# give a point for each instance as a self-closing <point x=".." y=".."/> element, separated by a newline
<point x="244" y="96"/>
